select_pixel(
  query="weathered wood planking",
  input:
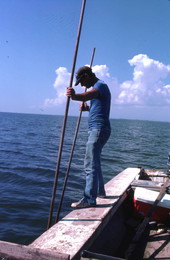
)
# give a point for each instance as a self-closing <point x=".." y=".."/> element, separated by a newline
<point x="79" y="228"/>
<point x="155" y="173"/>
<point x="26" y="253"/>
<point x="147" y="184"/>
<point x="158" y="246"/>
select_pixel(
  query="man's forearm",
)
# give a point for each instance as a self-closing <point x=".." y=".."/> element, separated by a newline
<point x="81" y="97"/>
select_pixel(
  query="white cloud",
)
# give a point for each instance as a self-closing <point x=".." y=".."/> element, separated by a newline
<point x="60" y="84"/>
<point x="102" y="71"/>
<point x="63" y="79"/>
<point x="147" y="86"/>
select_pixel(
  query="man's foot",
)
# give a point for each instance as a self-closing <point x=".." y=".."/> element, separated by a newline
<point x="82" y="204"/>
<point x="101" y="196"/>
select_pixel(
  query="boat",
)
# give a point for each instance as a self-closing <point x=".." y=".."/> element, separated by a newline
<point x="132" y="222"/>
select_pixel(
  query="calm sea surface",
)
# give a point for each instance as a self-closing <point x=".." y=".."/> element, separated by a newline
<point x="28" y="158"/>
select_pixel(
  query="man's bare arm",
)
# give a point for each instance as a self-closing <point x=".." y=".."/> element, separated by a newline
<point x="94" y="93"/>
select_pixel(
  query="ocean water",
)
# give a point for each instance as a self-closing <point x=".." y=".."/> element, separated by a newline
<point x="28" y="158"/>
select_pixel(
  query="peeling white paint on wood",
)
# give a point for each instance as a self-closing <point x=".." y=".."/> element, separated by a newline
<point x="81" y="226"/>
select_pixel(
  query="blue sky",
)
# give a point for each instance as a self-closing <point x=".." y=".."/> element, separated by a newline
<point x="131" y="38"/>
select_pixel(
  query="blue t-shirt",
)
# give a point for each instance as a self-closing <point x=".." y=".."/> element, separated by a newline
<point x="100" y="107"/>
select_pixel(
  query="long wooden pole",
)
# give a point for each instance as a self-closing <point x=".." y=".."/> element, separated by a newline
<point x="71" y="154"/>
<point x="65" y="117"/>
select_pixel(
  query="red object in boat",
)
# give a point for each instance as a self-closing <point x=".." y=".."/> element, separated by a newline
<point x="144" y="199"/>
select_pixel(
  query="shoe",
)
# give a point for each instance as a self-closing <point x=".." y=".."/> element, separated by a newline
<point x="82" y="204"/>
<point x="101" y="196"/>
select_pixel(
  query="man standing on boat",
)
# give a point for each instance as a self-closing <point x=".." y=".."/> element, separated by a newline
<point x="99" y="132"/>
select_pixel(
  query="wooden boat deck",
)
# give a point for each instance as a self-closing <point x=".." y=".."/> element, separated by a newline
<point x="157" y="246"/>
<point x="97" y="228"/>
<point x="80" y="227"/>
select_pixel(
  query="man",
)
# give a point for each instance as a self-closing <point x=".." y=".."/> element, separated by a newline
<point x="99" y="132"/>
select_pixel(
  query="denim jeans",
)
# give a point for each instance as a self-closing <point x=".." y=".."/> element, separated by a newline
<point x="94" y="178"/>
